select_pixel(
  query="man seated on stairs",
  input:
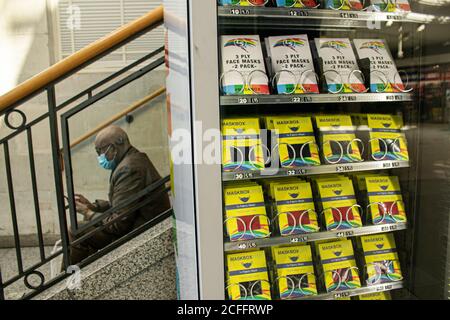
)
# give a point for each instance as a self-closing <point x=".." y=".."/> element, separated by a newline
<point x="131" y="171"/>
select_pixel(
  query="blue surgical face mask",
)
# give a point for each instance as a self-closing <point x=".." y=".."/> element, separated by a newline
<point x="104" y="162"/>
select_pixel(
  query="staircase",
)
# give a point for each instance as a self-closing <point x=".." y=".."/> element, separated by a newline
<point x="141" y="264"/>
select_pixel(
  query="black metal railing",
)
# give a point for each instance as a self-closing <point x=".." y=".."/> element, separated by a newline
<point x="55" y="121"/>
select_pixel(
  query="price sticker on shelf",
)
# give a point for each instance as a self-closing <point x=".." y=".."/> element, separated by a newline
<point x="298" y="13"/>
<point x="347" y="98"/>
<point x="391" y="17"/>
<point x="247" y="245"/>
<point x="299" y="239"/>
<point x="302" y="99"/>
<point x="347" y="15"/>
<point x="389" y="228"/>
<point x="385" y="287"/>
<point x="394" y="164"/>
<point x="248" y="100"/>
<point x="240" y="12"/>
<point x="344" y="234"/>
<point x="296" y="172"/>
<point x="344" y="168"/>
<point x="243" y="175"/>
<point x="341" y="295"/>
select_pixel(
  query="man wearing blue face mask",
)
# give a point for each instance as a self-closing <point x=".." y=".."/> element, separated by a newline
<point x="131" y="172"/>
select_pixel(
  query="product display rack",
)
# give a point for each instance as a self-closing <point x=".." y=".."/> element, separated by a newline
<point x="197" y="104"/>
<point x="310" y="237"/>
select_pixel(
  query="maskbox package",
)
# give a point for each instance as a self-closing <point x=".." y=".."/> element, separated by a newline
<point x="241" y="145"/>
<point x="340" y="67"/>
<point x="385" y="201"/>
<point x="243" y="68"/>
<point x="294" y="271"/>
<point x="338" y="139"/>
<point x="295" y="208"/>
<point x="387" y="141"/>
<point x="243" y="3"/>
<point x="391" y="5"/>
<point x="381" y="259"/>
<point x="247" y="276"/>
<point x="339" y="266"/>
<point x="376" y="296"/>
<point x="344" y="4"/>
<point x="245" y="212"/>
<point x="297" y="3"/>
<point x="295" y="141"/>
<point x="384" y="76"/>
<point x="292" y="64"/>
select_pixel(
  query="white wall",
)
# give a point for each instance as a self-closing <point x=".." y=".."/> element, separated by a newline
<point x="25" y="49"/>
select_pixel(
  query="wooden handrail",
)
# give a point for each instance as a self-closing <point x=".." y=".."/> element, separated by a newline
<point x="77" y="59"/>
<point x="124" y="112"/>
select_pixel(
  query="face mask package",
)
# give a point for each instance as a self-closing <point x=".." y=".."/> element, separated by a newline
<point x="381" y="259"/>
<point x="243" y="69"/>
<point x="292" y="64"/>
<point x="339" y="266"/>
<point x="391" y="5"/>
<point x="247" y="276"/>
<point x="338" y="203"/>
<point x="242" y="148"/>
<point x="384" y="76"/>
<point x="298" y="3"/>
<point x="294" y="271"/>
<point x="385" y="201"/>
<point x="344" y="4"/>
<point x="245" y="212"/>
<point x="338" y="139"/>
<point x="387" y="141"/>
<point x="295" y="208"/>
<point x="243" y="3"/>
<point x="339" y="65"/>
<point x="295" y="141"/>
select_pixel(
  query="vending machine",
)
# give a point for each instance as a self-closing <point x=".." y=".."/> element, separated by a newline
<point x="309" y="148"/>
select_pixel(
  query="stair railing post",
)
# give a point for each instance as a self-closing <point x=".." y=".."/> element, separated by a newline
<point x="57" y="165"/>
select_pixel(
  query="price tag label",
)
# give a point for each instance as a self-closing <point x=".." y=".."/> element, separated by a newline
<point x="394" y="164"/>
<point x="346" y="15"/>
<point x="243" y="175"/>
<point x="302" y="99"/>
<point x="248" y="100"/>
<point x="391" y="17"/>
<point x="298" y="13"/>
<point x="344" y="168"/>
<point x="247" y="245"/>
<point x="296" y="172"/>
<point x="344" y="234"/>
<point x="389" y="228"/>
<point x="341" y="295"/>
<point x="240" y="12"/>
<point x="299" y="239"/>
<point x="347" y="98"/>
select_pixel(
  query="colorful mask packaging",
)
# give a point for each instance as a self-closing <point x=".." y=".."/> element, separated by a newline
<point x="340" y="67"/>
<point x="383" y="73"/>
<point x="387" y="141"/>
<point x="385" y="199"/>
<point x="298" y="4"/>
<point x="339" y="205"/>
<point x="241" y="145"/>
<point x="376" y="296"/>
<point x="381" y="259"/>
<point x="295" y="140"/>
<point x="295" y="271"/>
<point x="243" y="3"/>
<point x="243" y="68"/>
<point x="247" y="276"/>
<point x="338" y="139"/>
<point x="245" y="212"/>
<point x="339" y="265"/>
<point x="343" y="5"/>
<point x="391" y="5"/>
<point x="292" y="64"/>
<point x="295" y="208"/>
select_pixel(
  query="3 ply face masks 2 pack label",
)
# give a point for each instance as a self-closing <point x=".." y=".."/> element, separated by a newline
<point x="296" y="143"/>
<point x="338" y="139"/>
<point x="385" y="199"/>
<point x="292" y="64"/>
<point x="380" y="254"/>
<point x="241" y="145"/>
<point x="340" y="67"/>
<point x="245" y="212"/>
<point x="243" y="68"/>
<point x="383" y="73"/>
<point x="387" y="141"/>
<point x="339" y="266"/>
<point x="295" y="208"/>
<point x="295" y="271"/>
<point x="247" y="277"/>
<point x="338" y="202"/>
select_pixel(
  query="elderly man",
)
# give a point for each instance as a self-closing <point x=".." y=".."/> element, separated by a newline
<point x="131" y="171"/>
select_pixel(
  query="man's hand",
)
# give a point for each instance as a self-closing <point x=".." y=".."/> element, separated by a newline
<point x="84" y="206"/>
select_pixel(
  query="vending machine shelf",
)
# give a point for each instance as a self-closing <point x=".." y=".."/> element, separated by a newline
<point x="313" y="170"/>
<point x="355" y="292"/>
<point x="310" y="237"/>
<point x="313" y="98"/>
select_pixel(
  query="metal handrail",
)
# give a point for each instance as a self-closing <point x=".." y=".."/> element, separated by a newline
<point x="119" y="115"/>
<point x="86" y="55"/>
